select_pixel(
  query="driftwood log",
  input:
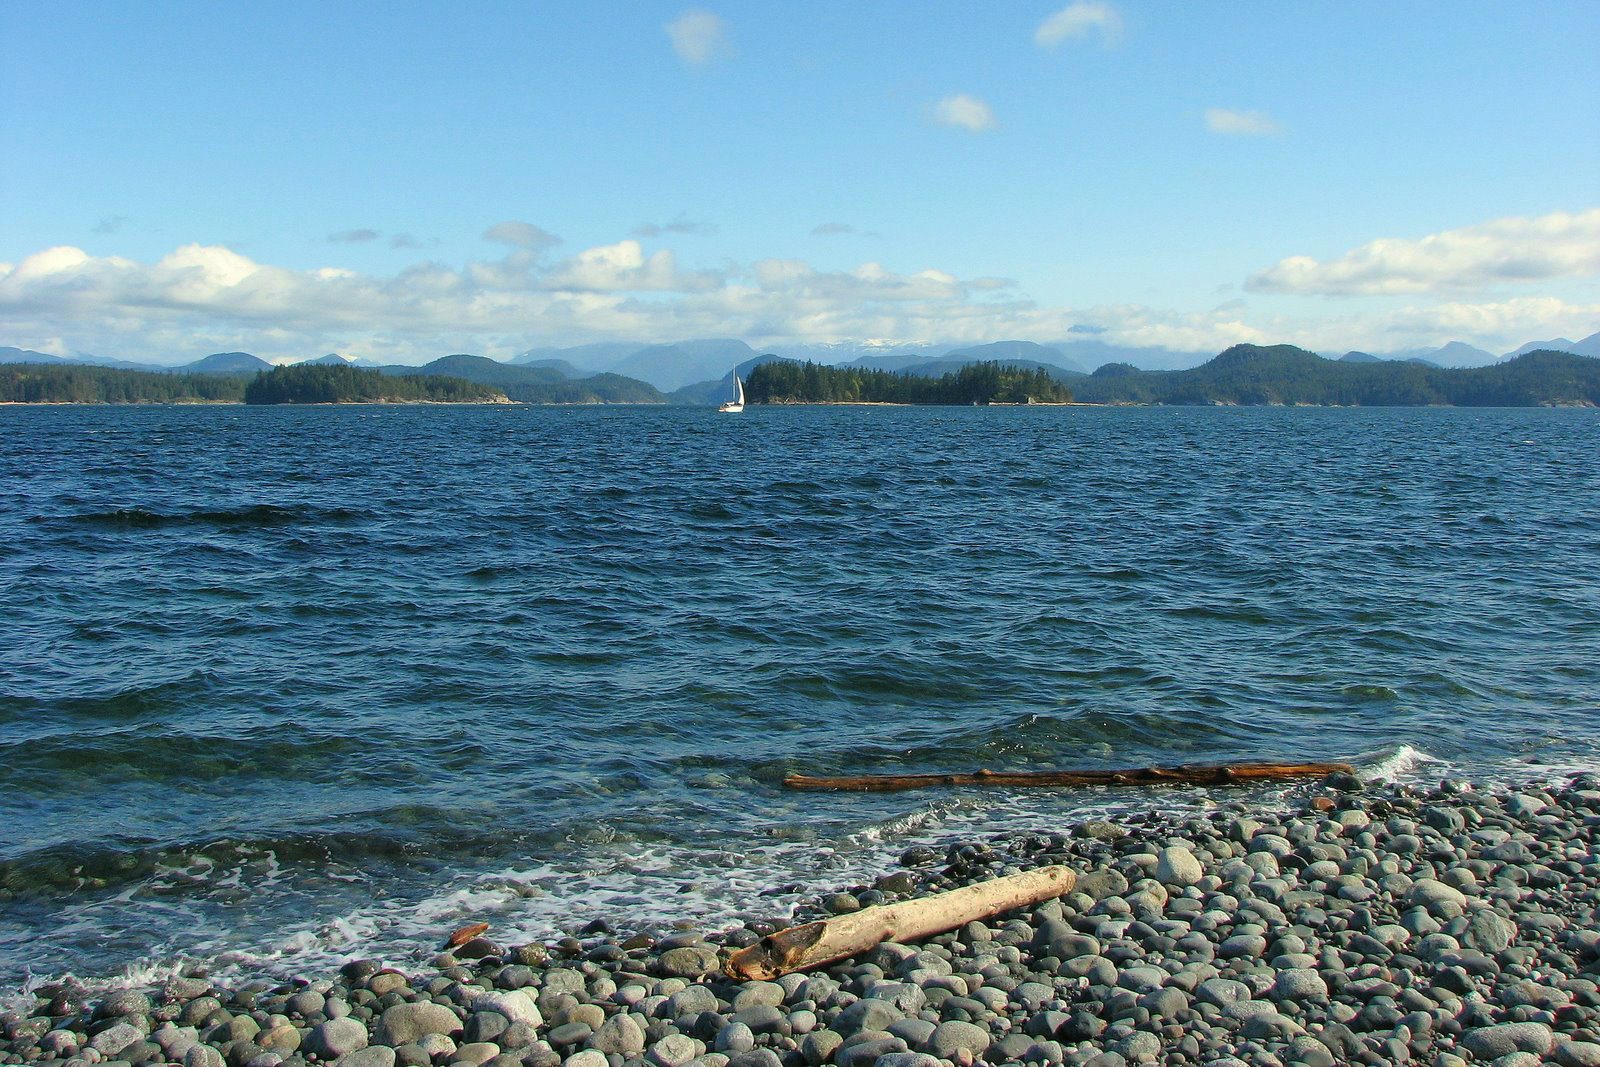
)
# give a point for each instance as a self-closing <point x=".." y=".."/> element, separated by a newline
<point x="801" y="948"/>
<point x="1217" y="774"/>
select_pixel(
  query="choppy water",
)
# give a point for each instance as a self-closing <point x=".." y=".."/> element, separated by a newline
<point x="278" y="686"/>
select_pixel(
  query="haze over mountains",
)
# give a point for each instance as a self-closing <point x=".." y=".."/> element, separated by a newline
<point x="704" y="366"/>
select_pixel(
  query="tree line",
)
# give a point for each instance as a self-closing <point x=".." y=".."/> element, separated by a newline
<point x="328" y="384"/>
<point x="790" y="382"/>
<point x="44" y="383"/>
<point x="47" y="383"/>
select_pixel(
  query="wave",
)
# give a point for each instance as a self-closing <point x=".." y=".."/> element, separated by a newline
<point x="244" y="517"/>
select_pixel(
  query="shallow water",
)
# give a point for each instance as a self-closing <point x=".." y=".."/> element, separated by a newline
<point x="278" y="686"/>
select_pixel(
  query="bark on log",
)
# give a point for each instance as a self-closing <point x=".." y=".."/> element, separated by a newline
<point x="801" y="948"/>
<point x="1218" y="774"/>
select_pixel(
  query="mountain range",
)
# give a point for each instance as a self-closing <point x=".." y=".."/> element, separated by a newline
<point x="700" y="371"/>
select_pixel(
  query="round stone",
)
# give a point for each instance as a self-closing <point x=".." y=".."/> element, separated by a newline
<point x="949" y="1038"/>
<point x="1178" y="866"/>
<point x="335" y="1038"/>
<point x="1300" y="983"/>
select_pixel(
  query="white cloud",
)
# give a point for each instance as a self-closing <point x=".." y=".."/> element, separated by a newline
<point x="1241" y="123"/>
<point x="521" y="235"/>
<point x="698" y="37"/>
<point x="200" y="299"/>
<point x="1559" y="245"/>
<point x="965" y="112"/>
<point x="1077" y="20"/>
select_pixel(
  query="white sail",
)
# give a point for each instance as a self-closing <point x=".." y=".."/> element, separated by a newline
<point x="737" y="403"/>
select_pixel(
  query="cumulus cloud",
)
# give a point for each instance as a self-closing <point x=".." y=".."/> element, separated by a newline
<point x="698" y="37"/>
<point x="1518" y="249"/>
<point x="965" y="112"/>
<point x="1241" y="123"/>
<point x="1077" y="20"/>
<point x="682" y="224"/>
<point x="207" y="298"/>
<point x="353" y="237"/>
<point x="521" y="235"/>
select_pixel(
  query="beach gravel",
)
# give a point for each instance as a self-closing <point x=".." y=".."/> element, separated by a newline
<point x="1374" y="925"/>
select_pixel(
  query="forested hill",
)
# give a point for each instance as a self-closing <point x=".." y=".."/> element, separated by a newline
<point x="323" y="384"/>
<point x="38" y="383"/>
<point x="1283" y="374"/>
<point x="788" y="382"/>
<point x="538" y="385"/>
<point x="59" y="383"/>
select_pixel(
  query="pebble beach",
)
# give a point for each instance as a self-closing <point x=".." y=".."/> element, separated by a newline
<point x="1365" y="924"/>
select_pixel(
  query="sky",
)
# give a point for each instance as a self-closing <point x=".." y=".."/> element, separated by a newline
<point x="401" y="181"/>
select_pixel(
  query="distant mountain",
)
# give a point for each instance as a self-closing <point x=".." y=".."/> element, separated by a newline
<point x="860" y="353"/>
<point x="1088" y="352"/>
<point x="1589" y="346"/>
<point x="107" y="361"/>
<point x="1017" y="354"/>
<point x="1359" y="357"/>
<point x="586" y="358"/>
<point x="538" y="385"/>
<point x="223" y="363"/>
<point x="1283" y="374"/>
<point x="672" y="366"/>
<point x="938" y="368"/>
<point x="332" y="359"/>
<point x="561" y="366"/>
<point x="716" y="391"/>
<point x="1454" y="354"/>
<point x="893" y="361"/>
<point x="28" y="355"/>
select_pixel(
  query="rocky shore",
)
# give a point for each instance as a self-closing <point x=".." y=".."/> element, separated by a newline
<point x="1377" y="925"/>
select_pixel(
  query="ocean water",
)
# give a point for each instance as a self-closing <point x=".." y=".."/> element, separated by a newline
<point x="279" y="687"/>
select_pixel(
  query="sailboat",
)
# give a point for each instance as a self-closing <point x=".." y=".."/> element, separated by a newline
<point x="737" y="403"/>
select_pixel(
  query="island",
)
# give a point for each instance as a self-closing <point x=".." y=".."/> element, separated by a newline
<point x="989" y="382"/>
<point x="34" y="383"/>
<point x="1244" y="375"/>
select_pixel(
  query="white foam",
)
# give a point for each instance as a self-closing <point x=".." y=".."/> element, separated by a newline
<point x="1401" y="763"/>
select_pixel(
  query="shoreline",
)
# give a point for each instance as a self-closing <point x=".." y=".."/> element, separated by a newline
<point x="1365" y="924"/>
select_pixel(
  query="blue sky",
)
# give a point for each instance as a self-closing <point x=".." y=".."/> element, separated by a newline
<point x="400" y="181"/>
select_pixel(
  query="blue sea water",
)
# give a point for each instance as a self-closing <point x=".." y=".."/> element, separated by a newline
<point x="281" y="686"/>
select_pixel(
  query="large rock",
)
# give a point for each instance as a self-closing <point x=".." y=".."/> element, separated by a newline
<point x="1488" y="931"/>
<point x="202" y="1056"/>
<point x="868" y="1014"/>
<point x="1178" y="866"/>
<point x="674" y="1050"/>
<point x="376" y="1056"/>
<point x="1101" y="884"/>
<point x="619" y="1034"/>
<point x="1300" y="983"/>
<point x="336" y="1037"/>
<point x="691" y="961"/>
<point x="1492" y="1042"/>
<point x="405" y="1024"/>
<point x="949" y="1038"/>
<point x="516" y="1005"/>
<point x="126" y="1002"/>
<point x="1428" y="893"/>
<point x="113" y="1039"/>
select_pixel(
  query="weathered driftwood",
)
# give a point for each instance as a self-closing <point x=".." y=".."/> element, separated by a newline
<point x="465" y="934"/>
<point x="1218" y="774"/>
<point x="801" y="948"/>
